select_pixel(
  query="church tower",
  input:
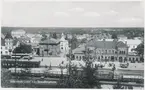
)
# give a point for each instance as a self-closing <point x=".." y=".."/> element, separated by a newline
<point x="9" y="43"/>
<point x="64" y="46"/>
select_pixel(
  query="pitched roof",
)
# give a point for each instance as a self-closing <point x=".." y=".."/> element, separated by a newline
<point x="80" y="49"/>
<point x="106" y="44"/>
<point x="15" y="41"/>
<point x="2" y="35"/>
<point x="49" y="41"/>
<point x="22" y="41"/>
<point x="2" y="42"/>
<point x="8" y="36"/>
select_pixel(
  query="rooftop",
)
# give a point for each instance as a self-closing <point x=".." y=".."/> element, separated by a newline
<point x="2" y="42"/>
<point x="8" y="36"/>
<point x="49" y="41"/>
<point x="106" y="44"/>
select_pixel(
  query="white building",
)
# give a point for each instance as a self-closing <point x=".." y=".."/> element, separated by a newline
<point x="106" y="39"/>
<point x="131" y="43"/>
<point x="18" y="33"/>
<point x="8" y="44"/>
<point x="64" y="45"/>
<point x="122" y="37"/>
<point x="36" y="39"/>
<point x="30" y="35"/>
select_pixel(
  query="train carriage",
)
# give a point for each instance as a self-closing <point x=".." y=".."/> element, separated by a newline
<point x="133" y="78"/>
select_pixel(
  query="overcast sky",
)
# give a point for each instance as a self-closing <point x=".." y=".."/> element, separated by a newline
<point x="73" y="14"/>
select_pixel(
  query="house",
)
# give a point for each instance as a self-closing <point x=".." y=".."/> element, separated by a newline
<point x="24" y="39"/>
<point x="49" y="47"/>
<point x="106" y="39"/>
<point x="54" y="47"/>
<point x="122" y="37"/>
<point x="18" y="33"/>
<point x="131" y="43"/>
<point x="104" y="50"/>
<point x="133" y="57"/>
<point x="30" y="35"/>
<point x="8" y="43"/>
<point x="36" y="39"/>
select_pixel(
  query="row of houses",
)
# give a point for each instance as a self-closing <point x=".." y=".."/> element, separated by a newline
<point x="45" y="47"/>
<point x="106" y="50"/>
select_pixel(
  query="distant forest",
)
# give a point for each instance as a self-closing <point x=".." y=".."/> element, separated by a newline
<point x="129" y="32"/>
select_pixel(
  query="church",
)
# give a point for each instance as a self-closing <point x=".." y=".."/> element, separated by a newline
<point x="54" y="47"/>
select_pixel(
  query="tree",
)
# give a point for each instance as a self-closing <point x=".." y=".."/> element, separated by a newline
<point x="140" y="50"/>
<point x="44" y="37"/>
<point x="66" y="38"/>
<point x="90" y="80"/>
<point x="5" y="78"/>
<point x="54" y="35"/>
<point x="74" y="42"/>
<point x="23" y="48"/>
<point x="87" y="79"/>
<point x="84" y="40"/>
<point x="114" y="36"/>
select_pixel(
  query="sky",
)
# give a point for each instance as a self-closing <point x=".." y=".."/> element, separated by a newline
<point x="72" y="14"/>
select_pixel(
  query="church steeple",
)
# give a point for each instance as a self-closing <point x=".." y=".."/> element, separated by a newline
<point x="8" y="36"/>
<point x="8" y="40"/>
<point x="62" y="37"/>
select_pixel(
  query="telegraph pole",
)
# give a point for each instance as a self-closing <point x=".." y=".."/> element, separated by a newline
<point x="15" y="70"/>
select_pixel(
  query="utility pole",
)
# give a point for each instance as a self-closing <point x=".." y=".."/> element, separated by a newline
<point x="15" y="70"/>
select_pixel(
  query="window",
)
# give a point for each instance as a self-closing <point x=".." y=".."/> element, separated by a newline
<point x="6" y="52"/>
<point x="99" y="57"/>
<point x="61" y="47"/>
<point x="133" y="59"/>
<point x="76" y="57"/>
<point x="5" y="47"/>
<point x="103" y="51"/>
<point x="112" y="51"/>
<point x="106" y="51"/>
<point x="83" y="57"/>
<point x="80" y="57"/>
<point x="136" y="59"/>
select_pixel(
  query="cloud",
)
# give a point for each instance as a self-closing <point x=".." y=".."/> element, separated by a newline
<point x="61" y="14"/>
<point x="91" y="14"/>
<point x="128" y="20"/>
<point x="112" y="12"/>
<point x="77" y="9"/>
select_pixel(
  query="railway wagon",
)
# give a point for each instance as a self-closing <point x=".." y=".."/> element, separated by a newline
<point x="19" y="63"/>
<point x="133" y="78"/>
<point x="38" y="72"/>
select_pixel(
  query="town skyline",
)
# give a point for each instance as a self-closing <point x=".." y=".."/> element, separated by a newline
<point x="72" y="45"/>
